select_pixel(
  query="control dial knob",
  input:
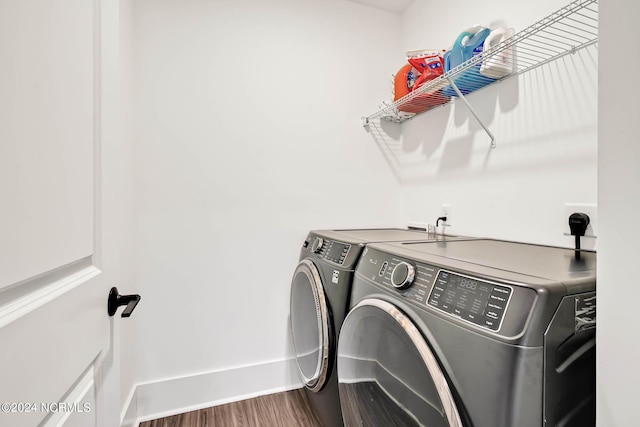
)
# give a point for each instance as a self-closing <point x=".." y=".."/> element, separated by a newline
<point x="316" y="246"/>
<point x="402" y="275"/>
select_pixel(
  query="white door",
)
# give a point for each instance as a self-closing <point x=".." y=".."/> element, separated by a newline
<point x="55" y="334"/>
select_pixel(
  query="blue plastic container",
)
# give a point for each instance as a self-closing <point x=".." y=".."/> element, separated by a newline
<point x="468" y="44"/>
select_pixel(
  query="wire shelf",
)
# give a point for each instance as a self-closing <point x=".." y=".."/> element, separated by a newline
<point x="565" y="31"/>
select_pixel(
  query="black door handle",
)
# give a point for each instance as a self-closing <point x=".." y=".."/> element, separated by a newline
<point x="116" y="300"/>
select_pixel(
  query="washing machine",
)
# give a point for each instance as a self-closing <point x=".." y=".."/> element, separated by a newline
<point x="476" y="333"/>
<point x="320" y="290"/>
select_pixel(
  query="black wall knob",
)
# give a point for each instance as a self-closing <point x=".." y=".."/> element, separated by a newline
<point x="116" y="300"/>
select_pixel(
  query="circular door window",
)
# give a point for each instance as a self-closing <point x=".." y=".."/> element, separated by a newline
<point x="387" y="373"/>
<point x="310" y="326"/>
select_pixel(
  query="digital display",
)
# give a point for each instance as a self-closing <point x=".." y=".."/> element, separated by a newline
<point x="336" y="252"/>
<point x="474" y="300"/>
<point x="469" y="284"/>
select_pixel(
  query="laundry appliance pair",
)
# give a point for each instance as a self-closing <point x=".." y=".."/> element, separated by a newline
<point x="320" y="291"/>
<point x="444" y="332"/>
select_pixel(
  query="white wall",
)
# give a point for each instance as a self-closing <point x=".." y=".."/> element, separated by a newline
<point x="544" y="121"/>
<point x="247" y="135"/>
<point x="618" y="182"/>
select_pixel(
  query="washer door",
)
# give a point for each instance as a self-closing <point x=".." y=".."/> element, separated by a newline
<point x="310" y="325"/>
<point x="387" y="374"/>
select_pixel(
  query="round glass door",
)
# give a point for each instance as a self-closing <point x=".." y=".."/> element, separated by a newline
<point x="310" y="325"/>
<point x="387" y="374"/>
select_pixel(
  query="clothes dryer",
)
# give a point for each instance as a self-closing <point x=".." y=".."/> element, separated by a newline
<point x="478" y="333"/>
<point x="320" y="290"/>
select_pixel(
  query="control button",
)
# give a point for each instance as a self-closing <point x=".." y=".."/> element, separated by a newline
<point x="383" y="269"/>
<point x="493" y="315"/>
<point x="497" y="299"/>
<point x="438" y="289"/>
<point x="490" y="323"/>
<point x="316" y="246"/>
<point x="402" y="275"/>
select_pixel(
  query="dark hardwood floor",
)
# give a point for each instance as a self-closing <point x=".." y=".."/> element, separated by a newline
<point x="287" y="409"/>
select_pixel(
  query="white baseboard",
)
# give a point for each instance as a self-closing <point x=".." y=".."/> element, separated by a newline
<point x="163" y="398"/>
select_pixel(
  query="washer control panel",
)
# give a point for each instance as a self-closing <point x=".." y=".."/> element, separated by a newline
<point x="336" y="251"/>
<point x="471" y="299"/>
<point x="331" y="250"/>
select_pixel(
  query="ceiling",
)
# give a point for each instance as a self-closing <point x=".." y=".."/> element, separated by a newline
<point x="395" y="6"/>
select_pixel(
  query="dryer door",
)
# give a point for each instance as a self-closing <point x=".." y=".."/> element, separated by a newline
<point x="387" y="374"/>
<point x="310" y="325"/>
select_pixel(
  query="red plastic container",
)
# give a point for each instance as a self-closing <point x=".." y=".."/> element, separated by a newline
<point x="429" y="65"/>
<point x="404" y="81"/>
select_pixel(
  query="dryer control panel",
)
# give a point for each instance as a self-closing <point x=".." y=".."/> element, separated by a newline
<point x="471" y="299"/>
<point x="495" y="307"/>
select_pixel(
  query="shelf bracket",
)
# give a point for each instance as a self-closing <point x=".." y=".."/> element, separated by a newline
<point x="462" y="97"/>
<point x="365" y="122"/>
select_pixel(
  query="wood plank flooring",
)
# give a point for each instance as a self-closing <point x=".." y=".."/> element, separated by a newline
<point x="287" y="409"/>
